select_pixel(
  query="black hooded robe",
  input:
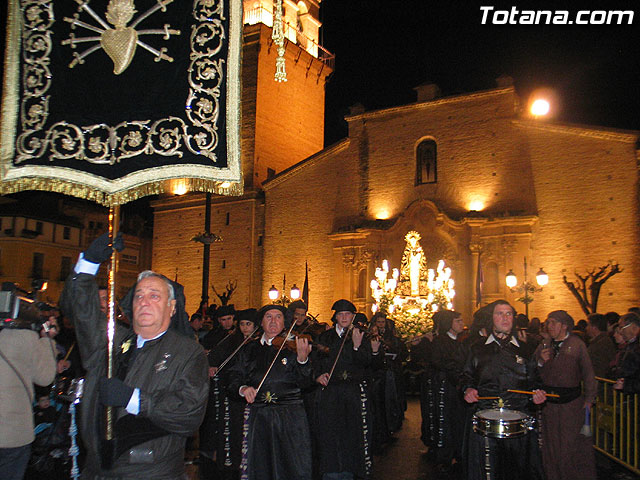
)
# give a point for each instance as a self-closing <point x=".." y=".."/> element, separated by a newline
<point x="343" y="422"/>
<point x="276" y="441"/>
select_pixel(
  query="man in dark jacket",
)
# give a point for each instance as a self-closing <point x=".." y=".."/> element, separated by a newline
<point x="629" y="382"/>
<point x="159" y="387"/>
<point x="601" y="348"/>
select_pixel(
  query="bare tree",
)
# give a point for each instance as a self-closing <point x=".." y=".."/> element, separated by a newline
<point x="588" y="286"/>
<point x="229" y="289"/>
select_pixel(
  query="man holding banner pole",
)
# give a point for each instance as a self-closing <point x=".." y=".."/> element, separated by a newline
<point x="159" y="385"/>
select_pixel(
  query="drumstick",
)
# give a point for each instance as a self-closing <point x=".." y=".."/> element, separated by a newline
<point x="526" y="392"/>
<point x="488" y="398"/>
<point x="69" y="352"/>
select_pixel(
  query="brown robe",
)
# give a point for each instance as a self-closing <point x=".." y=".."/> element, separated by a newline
<point x="601" y="351"/>
<point x="566" y="453"/>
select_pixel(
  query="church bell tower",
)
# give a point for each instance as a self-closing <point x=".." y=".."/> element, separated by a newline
<point x="282" y="124"/>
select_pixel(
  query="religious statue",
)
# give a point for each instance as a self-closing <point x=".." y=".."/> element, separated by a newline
<point x="412" y="295"/>
<point x="413" y="268"/>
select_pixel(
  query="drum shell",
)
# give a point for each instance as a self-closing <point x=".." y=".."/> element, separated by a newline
<point x="500" y="427"/>
<point x="75" y="391"/>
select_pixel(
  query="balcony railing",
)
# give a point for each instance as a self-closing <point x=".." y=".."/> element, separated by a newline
<point x="262" y="15"/>
<point x="614" y="422"/>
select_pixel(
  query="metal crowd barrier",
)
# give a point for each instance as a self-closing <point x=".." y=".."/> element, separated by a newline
<point x="614" y="424"/>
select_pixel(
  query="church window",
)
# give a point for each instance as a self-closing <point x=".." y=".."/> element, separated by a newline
<point x="65" y="267"/>
<point x="228" y="218"/>
<point x="426" y="162"/>
<point x="362" y="284"/>
<point x="37" y="268"/>
<point x="491" y="279"/>
<point x="66" y="233"/>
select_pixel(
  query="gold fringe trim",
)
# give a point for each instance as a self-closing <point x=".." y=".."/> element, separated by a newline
<point x="174" y="186"/>
<point x="10" y="100"/>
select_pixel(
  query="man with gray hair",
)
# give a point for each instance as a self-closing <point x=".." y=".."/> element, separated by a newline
<point x="629" y="382"/>
<point x="159" y="386"/>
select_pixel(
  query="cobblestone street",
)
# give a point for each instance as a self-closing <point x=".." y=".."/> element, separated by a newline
<point x="405" y="458"/>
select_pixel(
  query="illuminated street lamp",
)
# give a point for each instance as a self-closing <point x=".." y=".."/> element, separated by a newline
<point x="542" y="278"/>
<point x="295" y="292"/>
<point x="526" y="289"/>
<point x="274" y="294"/>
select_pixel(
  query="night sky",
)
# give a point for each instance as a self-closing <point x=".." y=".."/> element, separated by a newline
<point x="384" y="48"/>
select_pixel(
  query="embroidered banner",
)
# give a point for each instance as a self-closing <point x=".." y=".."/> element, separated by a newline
<point x="111" y="100"/>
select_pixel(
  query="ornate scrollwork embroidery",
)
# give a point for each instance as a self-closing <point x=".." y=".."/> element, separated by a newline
<point x="105" y="144"/>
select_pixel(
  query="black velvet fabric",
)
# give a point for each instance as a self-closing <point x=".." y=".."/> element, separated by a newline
<point x="147" y="90"/>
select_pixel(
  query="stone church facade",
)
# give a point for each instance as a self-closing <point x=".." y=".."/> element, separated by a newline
<point x="475" y="177"/>
<point x="564" y="197"/>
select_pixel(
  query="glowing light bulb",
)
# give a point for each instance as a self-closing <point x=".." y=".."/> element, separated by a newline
<point x="542" y="278"/>
<point x="476" y="206"/>
<point x="540" y="107"/>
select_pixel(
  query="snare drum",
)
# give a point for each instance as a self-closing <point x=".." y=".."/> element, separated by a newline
<point x="502" y="423"/>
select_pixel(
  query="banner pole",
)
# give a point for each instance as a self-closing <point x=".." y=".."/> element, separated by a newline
<point x="114" y="221"/>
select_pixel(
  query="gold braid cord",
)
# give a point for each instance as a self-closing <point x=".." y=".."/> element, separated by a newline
<point x="278" y="39"/>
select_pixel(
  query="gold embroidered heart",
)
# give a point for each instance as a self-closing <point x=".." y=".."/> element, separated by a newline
<point x="120" y="45"/>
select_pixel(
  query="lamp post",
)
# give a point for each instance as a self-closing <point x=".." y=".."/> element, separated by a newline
<point x="206" y="238"/>
<point x="526" y="289"/>
<point x="274" y="294"/>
